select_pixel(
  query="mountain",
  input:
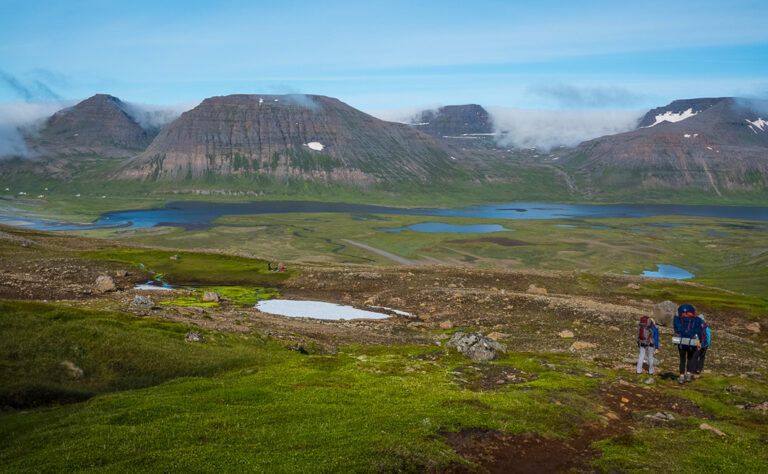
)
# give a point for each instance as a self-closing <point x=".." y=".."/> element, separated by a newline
<point x="98" y="125"/>
<point x="454" y="121"/>
<point x="313" y="137"/>
<point x="710" y="144"/>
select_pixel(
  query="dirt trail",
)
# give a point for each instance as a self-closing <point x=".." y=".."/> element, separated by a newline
<point x="391" y="256"/>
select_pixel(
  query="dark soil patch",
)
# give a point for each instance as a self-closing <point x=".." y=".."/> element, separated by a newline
<point x="497" y="452"/>
<point x="478" y="377"/>
<point x="503" y="241"/>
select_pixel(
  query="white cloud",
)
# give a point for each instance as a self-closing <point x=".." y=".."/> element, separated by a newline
<point x="403" y="114"/>
<point x="545" y="129"/>
<point x="155" y="117"/>
<point x="20" y="118"/>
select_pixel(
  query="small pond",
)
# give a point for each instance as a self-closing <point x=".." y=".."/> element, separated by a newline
<point x="669" y="271"/>
<point x="315" y="309"/>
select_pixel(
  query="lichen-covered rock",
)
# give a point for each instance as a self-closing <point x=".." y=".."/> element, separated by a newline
<point x="142" y="302"/>
<point x="664" y="313"/>
<point x="72" y="370"/>
<point x="476" y="346"/>
<point x="535" y="290"/>
<point x="104" y="283"/>
<point x="211" y="297"/>
<point x="193" y="336"/>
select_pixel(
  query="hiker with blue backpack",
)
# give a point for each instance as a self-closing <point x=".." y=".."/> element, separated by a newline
<point x="702" y="351"/>
<point x="687" y="337"/>
<point x="648" y="341"/>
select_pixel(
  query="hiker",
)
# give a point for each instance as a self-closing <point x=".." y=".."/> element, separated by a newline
<point x="702" y="351"/>
<point x="687" y="332"/>
<point x="647" y="339"/>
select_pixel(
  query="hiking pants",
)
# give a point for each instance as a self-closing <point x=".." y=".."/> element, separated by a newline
<point x="686" y="355"/>
<point x="645" y="351"/>
<point x="699" y="357"/>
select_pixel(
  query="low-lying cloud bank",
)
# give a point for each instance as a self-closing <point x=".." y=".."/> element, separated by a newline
<point x="547" y="129"/>
<point x="21" y="118"/>
<point x="154" y="117"/>
<point x="541" y="129"/>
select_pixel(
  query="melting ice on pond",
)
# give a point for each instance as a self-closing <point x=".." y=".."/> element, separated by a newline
<point x="450" y="228"/>
<point x="315" y="309"/>
<point x="668" y="271"/>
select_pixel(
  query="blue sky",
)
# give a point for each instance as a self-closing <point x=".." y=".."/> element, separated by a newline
<point x="374" y="55"/>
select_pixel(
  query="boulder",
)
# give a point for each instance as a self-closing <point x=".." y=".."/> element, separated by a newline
<point x="633" y="286"/>
<point x="193" y="336"/>
<point x="104" y="283"/>
<point x="446" y="324"/>
<point x="754" y="327"/>
<point x="565" y="334"/>
<point x="664" y="313"/>
<point x="211" y="297"/>
<point x="476" y="346"/>
<point x="174" y="257"/>
<point x="535" y="290"/>
<point x="72" y="370"/>
<point x="580" y="345"/>
<point x="121" y="273"/>
<point x="142" y="302"/>
<point x="707" y="427"/>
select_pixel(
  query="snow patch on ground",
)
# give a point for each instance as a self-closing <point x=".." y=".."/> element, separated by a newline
<point x="396" y="311"/>
<point x="151" y="287"/>
<point x="673" y="117"/>
<point x="688" y="135"/>
<point x="317" y="146"/>
<point x="315" y="309"/>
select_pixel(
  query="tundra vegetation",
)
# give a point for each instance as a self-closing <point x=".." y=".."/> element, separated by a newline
<point x="90" y="382"/>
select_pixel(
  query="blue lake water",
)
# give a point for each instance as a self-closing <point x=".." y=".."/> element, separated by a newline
<point x="459" y="229"/>
<point x="668" y="271"/>
<point x="200" y="215"/>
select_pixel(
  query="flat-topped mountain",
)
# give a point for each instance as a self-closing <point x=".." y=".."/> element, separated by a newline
<point x="291" y="136"/>
<point x="711" y="144"/>
<point x="98" y="125"/>
<point x="454" y="121"/>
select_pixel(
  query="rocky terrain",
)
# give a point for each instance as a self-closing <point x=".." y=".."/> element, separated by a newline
<point x="289" y="136"/>
<point x="98" y="125"/>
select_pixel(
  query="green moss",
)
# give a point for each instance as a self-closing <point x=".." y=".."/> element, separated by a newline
<point x="234" y="295"/>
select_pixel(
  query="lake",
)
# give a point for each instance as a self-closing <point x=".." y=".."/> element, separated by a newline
<point x="200" y="215"/>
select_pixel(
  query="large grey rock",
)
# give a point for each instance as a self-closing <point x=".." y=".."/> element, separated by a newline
<point x="664" y="313"/>
<point x="476" y="346"/>
<point x="105" y="283"/>
<point x="142" y="302"/>
<point x="211" y="297"/>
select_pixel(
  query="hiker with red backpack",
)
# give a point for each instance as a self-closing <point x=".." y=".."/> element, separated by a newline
<point x="687" y="337"/>
<point x="648" y="341"/>
<point x="699" y="355"/>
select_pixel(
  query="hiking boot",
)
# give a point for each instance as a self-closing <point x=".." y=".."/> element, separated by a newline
<point x="681" y="379"/>
<point x="688" y="377"/>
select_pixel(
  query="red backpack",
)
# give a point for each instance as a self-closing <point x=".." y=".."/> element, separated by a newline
<point x="645" y="331"/>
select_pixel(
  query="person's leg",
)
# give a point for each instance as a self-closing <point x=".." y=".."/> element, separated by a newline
<point x="640" y="360"/>
<point x="700" y="361"/>
<point x="682" y="364"/>
<point x="691" y="366"/>
<point x="649" y="350"/>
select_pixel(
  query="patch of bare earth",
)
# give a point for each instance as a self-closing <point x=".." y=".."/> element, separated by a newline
<point x="497" y="452"/>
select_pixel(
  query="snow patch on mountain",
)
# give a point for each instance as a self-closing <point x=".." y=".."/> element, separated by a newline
<point x="759" y="123"/>
<point x="317" y="146"/>
<point x="673" y="117"/>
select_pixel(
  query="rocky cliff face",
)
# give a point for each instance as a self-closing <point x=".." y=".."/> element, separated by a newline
<point x="709" y="144"/>
<point x="455" y="121"/>
<point x="98" y="125"/>
<point x="308" y="137"/>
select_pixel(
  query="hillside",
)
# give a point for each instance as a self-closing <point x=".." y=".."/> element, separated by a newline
<point x="289" y="136"/>
<point x="562" y="397"/>
<point x="98" y="125"/>
<point x="718" y="145"/>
